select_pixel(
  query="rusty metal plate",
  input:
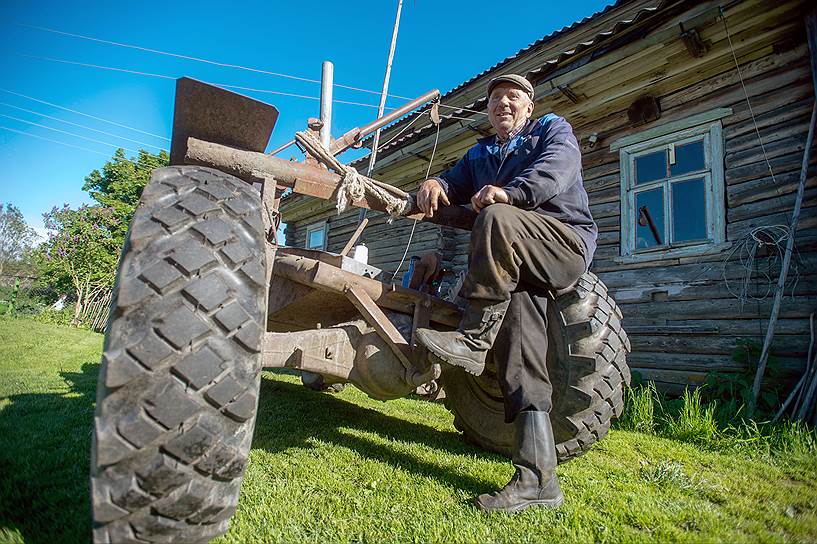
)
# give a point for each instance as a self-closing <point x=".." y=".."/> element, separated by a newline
<point x="216" y="115"/>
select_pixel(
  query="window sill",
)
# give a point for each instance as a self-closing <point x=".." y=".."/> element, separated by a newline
<point x="691" y="251"/>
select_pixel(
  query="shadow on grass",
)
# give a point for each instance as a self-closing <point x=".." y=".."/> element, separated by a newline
<point x="45" y="459"/>
<point x="289" y="415"/>
<point x="46" y="443"/>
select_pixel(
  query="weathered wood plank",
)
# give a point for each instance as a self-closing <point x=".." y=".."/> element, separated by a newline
<point x="718" y="308"/>
<point x="795" y="346"/>
<point x="703" y="363"/>
<point x="777" y="203"/>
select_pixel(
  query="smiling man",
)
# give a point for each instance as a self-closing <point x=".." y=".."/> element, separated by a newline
<point x="533" y="235"/>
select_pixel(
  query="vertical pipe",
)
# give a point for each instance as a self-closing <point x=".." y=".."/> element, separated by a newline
<point x="383" y="95"/>
<point x="327" y="75"/>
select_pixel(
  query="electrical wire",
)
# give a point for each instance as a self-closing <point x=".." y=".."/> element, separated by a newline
<point x="164" y="76"/>
<point x="223" y="64"/>
<point x="64" y="143"/>
<point x="744" y="253"/>
<point x="414" y="226"/>
<point x="84" y="114"/>
<point x="202" y="60"/>
<point x="390" y="140"/>
<point x="462" y="109"/>
<point x="68" y="133"/>
<point x="53" y="141"/>
<point x="748" y="103"/>
<point x="88" y="65"/>
<point x="82" y="126"/>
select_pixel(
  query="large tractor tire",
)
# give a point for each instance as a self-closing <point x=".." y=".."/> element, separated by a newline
<point x="180" y="373"/>
<point x="587" y="366"/>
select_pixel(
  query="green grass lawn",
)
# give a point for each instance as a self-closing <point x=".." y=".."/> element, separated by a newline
<point x="345" y="468"/>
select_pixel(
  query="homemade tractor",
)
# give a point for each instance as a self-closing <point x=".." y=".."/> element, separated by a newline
<point x="205" y="299"/>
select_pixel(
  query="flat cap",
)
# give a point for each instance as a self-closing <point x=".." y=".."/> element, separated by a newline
<point x="516" y="79"/>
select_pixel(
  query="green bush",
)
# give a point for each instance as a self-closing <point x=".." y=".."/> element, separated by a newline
<point x="56" y="317"/>
<point x="733" y="390"/>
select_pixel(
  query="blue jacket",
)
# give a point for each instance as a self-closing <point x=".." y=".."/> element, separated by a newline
<point x="542" y="172"/>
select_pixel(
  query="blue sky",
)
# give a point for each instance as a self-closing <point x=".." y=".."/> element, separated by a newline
<point x="440" y="45"/>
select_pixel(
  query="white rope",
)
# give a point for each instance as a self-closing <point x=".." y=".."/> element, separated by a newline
<point x="353" y="186"/>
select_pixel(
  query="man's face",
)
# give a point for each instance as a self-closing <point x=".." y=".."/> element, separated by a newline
<point x="508" y="106"/>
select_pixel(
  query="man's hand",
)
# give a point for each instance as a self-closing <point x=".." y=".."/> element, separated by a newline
<point x="429" y="196"/>
<point x="489" y="195"/>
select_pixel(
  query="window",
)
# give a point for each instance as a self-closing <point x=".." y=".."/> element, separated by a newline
<point x="672" y="189"/>
<point x="316" y="236"/>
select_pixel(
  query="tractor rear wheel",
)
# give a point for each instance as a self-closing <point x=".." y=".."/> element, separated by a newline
<point x="180" y="373"/>
<point x="587" y="366"/>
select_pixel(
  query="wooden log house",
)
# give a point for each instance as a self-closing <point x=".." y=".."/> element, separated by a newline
<point x="659" y="95"/>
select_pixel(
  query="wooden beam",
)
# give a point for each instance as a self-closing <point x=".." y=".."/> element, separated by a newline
<point x="305" y="179"/>
<point x="318" y="275"/>
<point x="355" y="236"/>
<point x="784" y="267"/>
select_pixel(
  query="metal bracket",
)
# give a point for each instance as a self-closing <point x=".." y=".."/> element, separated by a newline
<point x="377" y="319"/>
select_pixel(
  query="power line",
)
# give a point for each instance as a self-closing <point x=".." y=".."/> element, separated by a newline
<point x="163" y="76"/>
<point x="199" y="59"/>
<point x="227" y="65"/>
<point x="290" y="94"/>
<point x="84" y="114"/>
<point x="68" y="133"/>
<point x="54" y="141"/>
<point x="95" y="66"/>
<point x="81" y="126"/>
<point x="68" y="145"/>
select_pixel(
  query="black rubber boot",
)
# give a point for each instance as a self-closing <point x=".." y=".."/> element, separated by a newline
<point x="534" y="456"/>
<point x="467" y="346"/>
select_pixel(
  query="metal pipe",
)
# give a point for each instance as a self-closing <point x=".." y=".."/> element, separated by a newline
<point x="279" y="149"/>
<point x="327" y="75"/>
<point x="356" y="134"/>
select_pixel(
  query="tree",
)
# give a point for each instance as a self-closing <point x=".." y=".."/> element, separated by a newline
<point x="16" y="237"/>
<point x="120" y="183"/>
<point x="82" y="252"/>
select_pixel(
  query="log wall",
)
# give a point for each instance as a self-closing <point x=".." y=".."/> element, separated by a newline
<point x="682" y="314"/>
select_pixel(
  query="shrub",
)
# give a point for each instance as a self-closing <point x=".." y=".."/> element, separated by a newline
<point x="55" y="317"/>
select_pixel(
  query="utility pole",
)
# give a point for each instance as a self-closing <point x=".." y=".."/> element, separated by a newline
<point x="383" y="95"/>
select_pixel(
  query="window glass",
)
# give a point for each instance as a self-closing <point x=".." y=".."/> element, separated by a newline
<point x="651" y="167"/>
<point x="315" y="239"/>
<point x="688" y="158"/>
<point x="649" y="220"/>
<point x="688" y="210"/>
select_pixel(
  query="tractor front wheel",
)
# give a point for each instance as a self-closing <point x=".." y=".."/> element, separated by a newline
<point x="180" y="372"/>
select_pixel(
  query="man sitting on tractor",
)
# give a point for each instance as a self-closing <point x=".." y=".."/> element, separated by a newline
<point x="533" y="234"/>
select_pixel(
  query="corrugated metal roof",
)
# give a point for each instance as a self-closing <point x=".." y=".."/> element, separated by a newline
<point x="479" y="104"/>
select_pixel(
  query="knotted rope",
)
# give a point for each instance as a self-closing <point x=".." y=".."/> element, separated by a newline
<point x="354" y="186"/>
